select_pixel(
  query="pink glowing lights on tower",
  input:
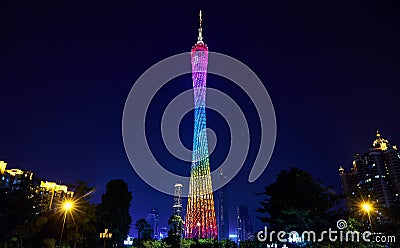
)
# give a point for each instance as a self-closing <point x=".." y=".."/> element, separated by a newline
<point x="200" y="214"/>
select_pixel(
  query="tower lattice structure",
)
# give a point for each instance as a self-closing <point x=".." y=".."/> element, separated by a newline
<point x="200" y="215"/>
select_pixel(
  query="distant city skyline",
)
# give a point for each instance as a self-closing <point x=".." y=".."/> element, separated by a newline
<point x="359" y="181"/>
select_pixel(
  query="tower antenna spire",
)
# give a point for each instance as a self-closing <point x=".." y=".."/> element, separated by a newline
<point x="200" y="38"/>
<point x="200" y="220"/>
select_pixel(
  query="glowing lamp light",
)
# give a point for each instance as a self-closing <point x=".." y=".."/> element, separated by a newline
<point x="68" y="205"/>
<point x="367" y="207"/>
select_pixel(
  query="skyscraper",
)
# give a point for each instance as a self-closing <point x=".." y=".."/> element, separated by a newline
<point x="177" y="207"/>
<point x="244" y="229"/>
<point x="374" y="176"/>
<point x="155" y="212"/>
<point x="163" y="232"/>
<point x="223" y="210"/>
<point x="151" y="219"/>
<point x="200" y="215"/>
<point x="12" y="178"/>
<point x="52" y="194"/>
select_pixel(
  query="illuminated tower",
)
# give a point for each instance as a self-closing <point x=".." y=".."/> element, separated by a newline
<point x="200" y="215"/>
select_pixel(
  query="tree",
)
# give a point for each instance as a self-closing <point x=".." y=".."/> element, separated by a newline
<point x="354" y="225"/>
<point x="82" y="228"/>
<point x="187" y="243"/>
<point x="113" y="211"/>
<point x="175" y="232"/>
<point x="391" y="223"/>
<point x="144" y="230"/>
<point x="155" y="244"/>
<point x="251" y="244"/>
<point x="227" y="244"/>
<point x="19" y="206"/>
<point x="49" y="243"/>
<point x="298" y="202"/>
<point x="80" y="222"/>
<point x="207" y="243"/>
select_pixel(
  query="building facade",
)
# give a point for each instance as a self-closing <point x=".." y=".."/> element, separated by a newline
<point x="163" y="232"/>
<point x="222" y="210"/>
<point x="52" y="194"/>
<point x="374" y="176"/>
<point x="244" y="228"/>
<point x="49" y="194"/>
<point x="177" y="206"/>
<point x="152" y="219"/>
<point x="10" y="179"/>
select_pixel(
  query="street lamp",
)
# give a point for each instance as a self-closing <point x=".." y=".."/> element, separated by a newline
<point x="105" y="235"/>
<point x="67" y="205"/>
<point x="367" y="208"/>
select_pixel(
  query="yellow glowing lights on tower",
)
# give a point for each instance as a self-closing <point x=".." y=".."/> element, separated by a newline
<point x="200" y="215"/>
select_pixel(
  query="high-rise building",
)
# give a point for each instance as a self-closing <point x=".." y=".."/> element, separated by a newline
<point x="374" y="176"/>
<point x="223" y="210"/>
<point x="52" y="194"/>
<point x="244" y="229"/>
<point x="151" y="219"/>
<point x="3" y="166"/>
<point x="155" y="212"/>
<point x="200" y="215"/>
<point x="163" y="232"/>
<point x="177" y="207"/>
<point x="12" y="178"/>
<point x="349" y="184"/>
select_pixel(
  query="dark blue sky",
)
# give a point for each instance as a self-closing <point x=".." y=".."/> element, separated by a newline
<point x="332" y="70"/>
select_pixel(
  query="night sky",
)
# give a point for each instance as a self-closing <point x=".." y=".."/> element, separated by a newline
<point x="332" y="69"/>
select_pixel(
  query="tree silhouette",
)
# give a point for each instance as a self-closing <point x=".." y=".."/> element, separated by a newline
<point x="297" y="202"/>
<point x="19" y="208"/>
<point x="143" y="228"/>
<point x="113" y="211"/>
<point x="82" y="226"/>
<point x="176" y="225"/>
<point x="175" y="232"/>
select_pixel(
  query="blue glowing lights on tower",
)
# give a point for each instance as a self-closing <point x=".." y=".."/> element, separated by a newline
<point x="200" y="215"/>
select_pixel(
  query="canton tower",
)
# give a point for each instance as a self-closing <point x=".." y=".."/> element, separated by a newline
<point x="200" y="214"/>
